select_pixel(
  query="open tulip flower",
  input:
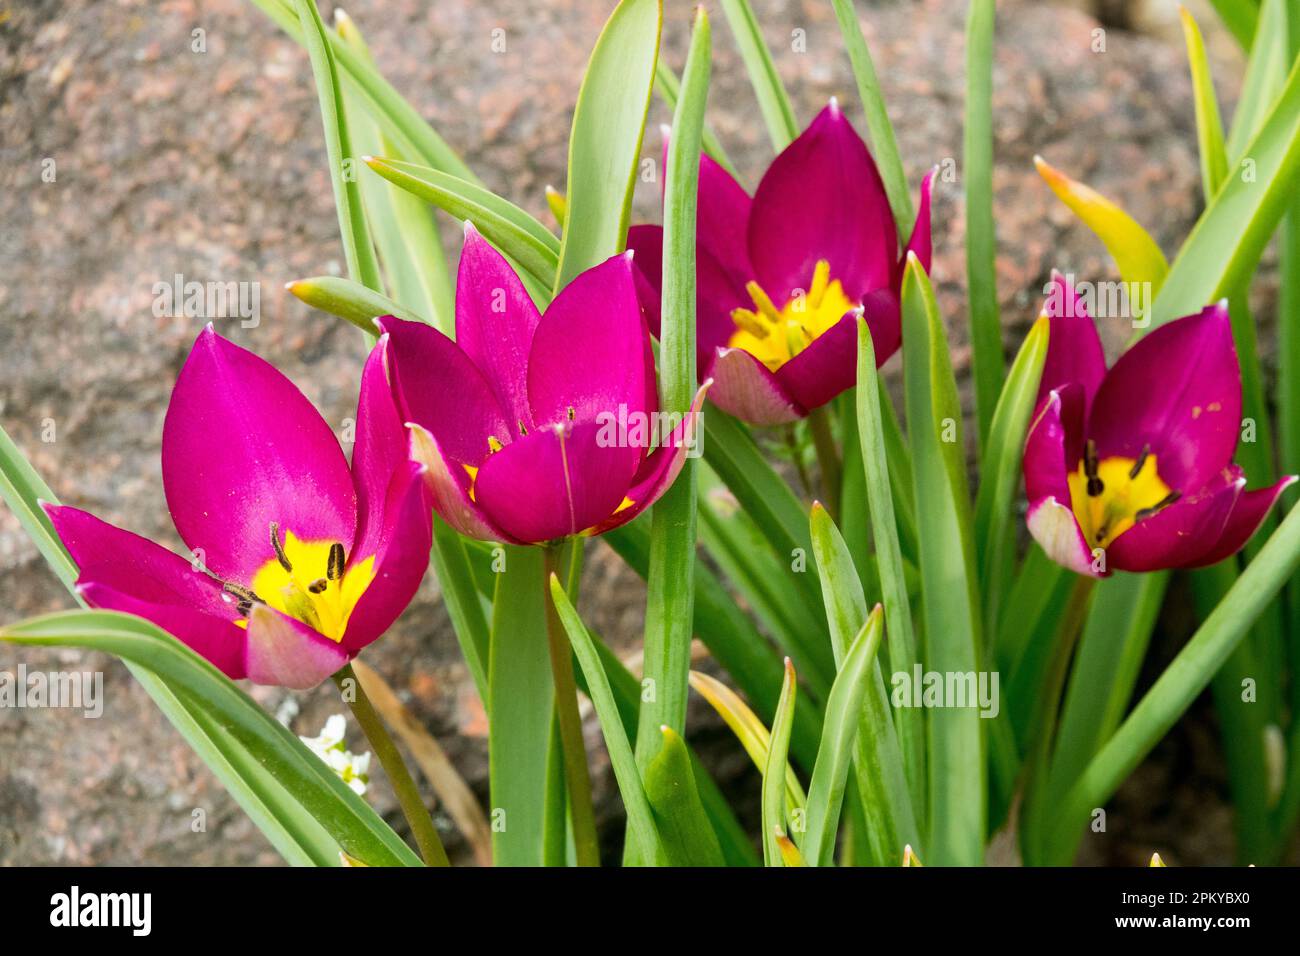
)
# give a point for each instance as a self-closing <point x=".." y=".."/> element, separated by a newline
<point x="780" y="276"/>
<point x="536" y="427"/>
<point x="299" y="561"/>
<point x="1131" y="469"/>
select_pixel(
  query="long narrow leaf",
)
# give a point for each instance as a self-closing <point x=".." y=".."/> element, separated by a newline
<point x="688" y="837"/>
<point x="776" y="768"/>
<point x="773" y="101"/>
<point x="1209" y="126"/>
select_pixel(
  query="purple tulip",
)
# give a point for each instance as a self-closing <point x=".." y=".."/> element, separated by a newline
<point x="298" y="560"/>
<point x="535" y="427"/>
<point x="780" y="275"/>
<point x="1131" y="469"/>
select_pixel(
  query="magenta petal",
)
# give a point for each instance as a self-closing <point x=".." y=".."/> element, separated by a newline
<point x="647" y="245"/>
<point x="556" y="482"/>
<point x="746" y="388"/>
<point x="660" y="469"/>
<point x="284" y="652"/>
<point x="243" y="448"/>
<point x="919" y="244"/>
<point x="401" y="558"/>
<point x="1182" y="534"/>
<point x="130" y="564"/>
<point x="495" y="321"/>
<point x="722" y="222"/>
<point x="1074" y="352"/>
<point x="440" y="389"/>
<point x="823" y="198"/>
<point x="829" y="365"/>
<point x="591" y="352"/>
<point x="1047" y="465"/>
<point x="449" y="489"/>
<point x="216" y="639"/>
<point x="1248" y="513"/>
<point x="380" y="450"/>
<point x="1179" y="390"/>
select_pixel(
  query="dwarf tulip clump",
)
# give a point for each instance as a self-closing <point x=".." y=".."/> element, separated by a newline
<point x="535" y="427"/>
<point x="1131" y="469"/>
<point x="298" y="560"/>
<point x="781" y="275"/>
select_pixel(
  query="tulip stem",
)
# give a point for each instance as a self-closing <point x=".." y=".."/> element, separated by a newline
<point x="828" y="460"/>
<point x="408" y="795"/>
<point x="796" y="455"/>
<point x="576" y="776"/>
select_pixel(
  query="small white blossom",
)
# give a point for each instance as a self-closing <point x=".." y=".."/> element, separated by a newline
<point x="353" y="769"/>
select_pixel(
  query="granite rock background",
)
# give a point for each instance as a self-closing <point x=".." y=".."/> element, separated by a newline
<point x="210" y="165"/>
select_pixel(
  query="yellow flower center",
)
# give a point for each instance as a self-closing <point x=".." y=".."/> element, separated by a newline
<point x="1111" y="495"/>
<point x="775" y="336"/>
<point x="308" y="581"/>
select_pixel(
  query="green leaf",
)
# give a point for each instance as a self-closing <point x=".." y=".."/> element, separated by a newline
<point x="605" y="142"/>
<point x="397" y="117"/>
<point x="773" y="101"/>
<point x="893" y="583"/>
<point x="981" y="235"/>
<point x="1173" y="692"/>
<point x="1241" y="17"/>
<point x="640" y="815"/>
<point x="877" y="760"/>
<point x="357" y="248"/>
<point x="513" y="231"/>
<point x="846" y="722"/>
<point x="1225" y="245"/>
<point x="464" y="605"/>
<point x="688" y="837"/>
<point x="1266" y="71"/>
<point x="669" y="89"/>
<point x="881" y="130"/>
<point x="349" y="300"/>
<point x="776" y="768"/>
<point x="520" y="695"/>
<point x="1209" y="126"/>
<point x="345" y="816"/>
<point x="405" y="233"/>
<point x="670" y="592"/>
<point x="1001" y="474"/>
<point x="955" y="765"/>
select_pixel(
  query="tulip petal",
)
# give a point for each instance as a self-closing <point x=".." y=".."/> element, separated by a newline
<point x="439" y="388"/>
<point x="495" y="321"/>
<point x="745" y="387"/>
<point x="722" y="221"/>
<point x="1178" y="390"/>
<point x="381" y="447"/>
<point x="401" y="558"/>
<point x="216" y="639"/>
<point x="284" y="652"/>
<point x="243" y="448"/>
<point x="1074" y="352"/>
<point x="591" y="352"/>
<point x="823" y="198"/>
<point x="1248" y="513"/>
<point x="556" y="482"/>
<point x="659" y="470"/>
<point x="1183" y="533"/>
<point x="919" y="243"/>
<point x="1047" y="464"/>
<point x="828" y="365"/>
<point x="449" y="488"/>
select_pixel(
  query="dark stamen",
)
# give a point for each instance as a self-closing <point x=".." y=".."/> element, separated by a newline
<point x="279" y="548"/>
<point x="318" y="586"/>
<point x="571" y="413"/>
<point x="334" y="569"/>
<point x="522" y="430"/>
<point x="1142" y="460"/>
<point x="1095" y="485"/>
<point x="245" y="597"/>
<point x="1164" y="502"/>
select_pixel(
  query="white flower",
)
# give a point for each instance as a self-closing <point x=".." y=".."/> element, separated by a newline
<point x="353" y="769"/>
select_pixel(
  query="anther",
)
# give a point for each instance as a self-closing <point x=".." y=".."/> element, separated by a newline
<point x="1095" y="485"/>
<point x="279" y="548"/>
<point x="572" y="414"/>
<point x="318" y="586"/>
<point x="1163" y="503"/>
<point x="523" y="430"/>
<point x="494" y="444"/>
<point x="245" y="598"/>
<point x="1138" y="465"/>
<point x="334" y="569"/>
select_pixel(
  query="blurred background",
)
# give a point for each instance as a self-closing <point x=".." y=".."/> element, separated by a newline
<point x="209" y="163"/>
